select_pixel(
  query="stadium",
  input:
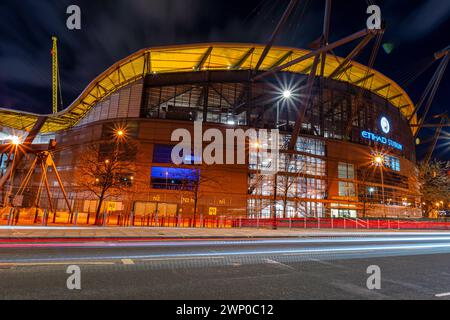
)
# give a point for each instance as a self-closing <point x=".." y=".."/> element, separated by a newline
<point x="354" y="156"/>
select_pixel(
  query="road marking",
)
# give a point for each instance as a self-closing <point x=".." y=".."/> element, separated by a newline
<point x="127" y="261"/>
<point x="187" y="258"/>
<point x="441" y="295"/>
<point x="284" y="266"/>
<point x="311" y="252"/>
<point x="38" y="264"/>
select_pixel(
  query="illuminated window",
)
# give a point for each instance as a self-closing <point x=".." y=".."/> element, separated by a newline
<point x="163" y="154"/>
<point x="4" y="160"/>
<point x="346" y="188"/>
<point x="392" y="163"/>
<point x="174" y="178"/>
<point x="346" y="171"/>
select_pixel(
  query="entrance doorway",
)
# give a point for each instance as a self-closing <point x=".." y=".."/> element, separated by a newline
<point x="155" y="208"/>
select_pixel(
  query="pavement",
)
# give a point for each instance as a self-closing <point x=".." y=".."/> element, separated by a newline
<point x="412" y="266"/>
<point x="24" y="233"/>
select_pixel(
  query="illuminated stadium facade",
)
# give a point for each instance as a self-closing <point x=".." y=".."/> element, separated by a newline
<point x="356" y="114"/>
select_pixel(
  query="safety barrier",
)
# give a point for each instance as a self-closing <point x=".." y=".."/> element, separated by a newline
<point x="45" y="218"/>
<point x="346" y="224"/>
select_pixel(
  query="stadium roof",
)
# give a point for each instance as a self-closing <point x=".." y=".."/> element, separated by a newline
<point x="203" y="57"/>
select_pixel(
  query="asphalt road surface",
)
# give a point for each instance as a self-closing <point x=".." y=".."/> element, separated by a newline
<point x="413" y="266"/>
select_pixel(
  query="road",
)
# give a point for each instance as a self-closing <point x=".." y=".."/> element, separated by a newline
<point x="413" y="266"/>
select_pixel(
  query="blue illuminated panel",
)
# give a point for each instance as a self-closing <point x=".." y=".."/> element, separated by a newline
<point x="174" y="178"/>
<point x="383" y="140"/>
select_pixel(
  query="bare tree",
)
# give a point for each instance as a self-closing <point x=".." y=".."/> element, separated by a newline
<point x="434" y="182"/>
<point x="194" y="182"/>
<point x="364" y="175"/>
<point x="106" y="171"/>
<point x="286" y="181"/>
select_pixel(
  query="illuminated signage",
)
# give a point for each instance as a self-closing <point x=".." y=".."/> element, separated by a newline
<point x="385" y="125"/>
<point x="383" y="140"/>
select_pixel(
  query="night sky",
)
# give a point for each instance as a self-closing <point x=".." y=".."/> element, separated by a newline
<point x="114" y="29"/>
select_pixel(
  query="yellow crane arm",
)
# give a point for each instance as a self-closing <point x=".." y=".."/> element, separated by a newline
<point x="55" y="75"/>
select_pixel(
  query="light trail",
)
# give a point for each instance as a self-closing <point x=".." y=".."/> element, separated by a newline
<point x="286" y="252"/>
<point x="187" y="243"/>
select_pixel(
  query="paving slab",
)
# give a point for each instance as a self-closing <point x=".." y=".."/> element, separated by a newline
<point x="18" y="233"/>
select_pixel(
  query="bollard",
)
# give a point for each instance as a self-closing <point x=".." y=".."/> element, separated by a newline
<point x="44" y="218"/>
<point x="75" y="218"/>
<point x="105" y="216"/>
<point x="17" y="217"/>
<point x="10" y="216"/>
<point x="131" y="222"/>
<point x="36" y="215"/>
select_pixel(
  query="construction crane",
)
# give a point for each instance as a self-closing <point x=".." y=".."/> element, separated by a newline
<point x="56" y="82"/>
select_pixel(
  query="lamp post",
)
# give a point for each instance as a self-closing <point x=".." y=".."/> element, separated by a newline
<point x="120" y="135"/>
<point x="15" y="142"/>
<point x="167" y="179"/>
<point x="286" y="96"/>
<point x="379" y="162"/>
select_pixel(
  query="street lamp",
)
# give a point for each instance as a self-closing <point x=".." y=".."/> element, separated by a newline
<point x="378" y="160"/>
<point x="287" y="94"/>
<point x="167" y="178"/>
<point x="120" y="133"/>
<point x="15" y="141"/>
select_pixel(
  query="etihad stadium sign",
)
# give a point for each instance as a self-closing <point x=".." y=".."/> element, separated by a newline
<point x="380" y="139"/>
<point x="385" y="127"/>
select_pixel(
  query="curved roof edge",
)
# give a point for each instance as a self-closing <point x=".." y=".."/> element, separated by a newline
<point x="204" y="57"/>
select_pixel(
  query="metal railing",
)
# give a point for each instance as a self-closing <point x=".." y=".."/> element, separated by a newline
<point x="17" y="217"/>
